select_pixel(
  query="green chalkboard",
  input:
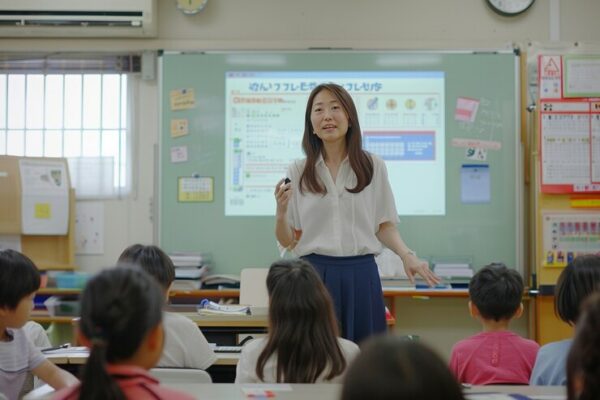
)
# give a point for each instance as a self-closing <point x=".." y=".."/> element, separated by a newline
<point x="482" y="232"/>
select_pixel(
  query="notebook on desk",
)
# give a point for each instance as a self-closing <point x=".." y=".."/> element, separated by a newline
<point x="228" y="349"/>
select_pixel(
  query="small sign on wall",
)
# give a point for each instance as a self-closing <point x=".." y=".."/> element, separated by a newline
<point x="89" y="227"/>
<point x="195" y="189"/>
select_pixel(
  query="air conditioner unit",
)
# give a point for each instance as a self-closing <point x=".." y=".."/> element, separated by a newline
<point x="78" y="18"/>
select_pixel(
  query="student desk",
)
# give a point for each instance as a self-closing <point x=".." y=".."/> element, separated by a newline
<point x="320" y="391"/>
<point x="223" y="369"/>
<point x="70" y="357"/>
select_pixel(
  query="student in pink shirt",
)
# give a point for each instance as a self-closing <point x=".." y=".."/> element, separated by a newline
<point x="496" y="355"/>
<point x="121" y="323"/>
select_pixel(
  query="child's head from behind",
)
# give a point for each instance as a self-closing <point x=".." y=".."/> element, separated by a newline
<point x="578" y="280"/>
<point x="298" y="297"/>
<point x="496" y="292"/>
<point x="303" y="328"/>
<point x="19" y="280"/>
<point x="583" y="362"/>
<point x="152" y="260"/>
<point x="119" y="309"/>
<point x="390" y="367"/>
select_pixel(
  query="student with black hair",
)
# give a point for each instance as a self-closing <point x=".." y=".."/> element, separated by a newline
<point x="19" y="280"/>
<point x="496" y="355"/>
<point x="185" y="345"/>
<point x="392" y="368"/>
<point x="121" y="323"/>
<point x="583" y="362"/>
<point x="576" y="282"/>
<point x="303" y="344"/>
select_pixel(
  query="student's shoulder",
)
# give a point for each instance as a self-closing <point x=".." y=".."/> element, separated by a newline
<point x="470" y="343"/>
<point x="173" y="320"/>
<point x="552" y="348"/>
<point x="348" y="346"/>
<point x="527" y="343"/>
<point x="255" y="344"/>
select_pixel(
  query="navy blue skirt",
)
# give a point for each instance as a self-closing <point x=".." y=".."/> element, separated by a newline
<point x="355" y="287"/>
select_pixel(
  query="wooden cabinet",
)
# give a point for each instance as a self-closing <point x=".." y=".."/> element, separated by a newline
<point x="48" y="252"/>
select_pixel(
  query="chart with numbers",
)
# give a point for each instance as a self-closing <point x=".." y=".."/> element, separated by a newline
<point x="195" y="189"/>
<point x="570" y="146"/>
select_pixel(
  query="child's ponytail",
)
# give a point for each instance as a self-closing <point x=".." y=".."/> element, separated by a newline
<point x="96" y="382"/>
<point x="119" y="307"/>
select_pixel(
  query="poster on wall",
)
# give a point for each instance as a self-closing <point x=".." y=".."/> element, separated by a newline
<point x="567" y="235"/>
<point x="45" y="197"/>
<point x="570" y="146"/>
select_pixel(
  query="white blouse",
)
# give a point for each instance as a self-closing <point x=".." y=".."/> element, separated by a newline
<point x="340" y="223"/>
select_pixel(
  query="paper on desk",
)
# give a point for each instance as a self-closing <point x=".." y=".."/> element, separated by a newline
<point x="262" y="391"/>
<point x="207" y="311"/>
<point x="210" y="307"/>
<point x="69" y="350"/>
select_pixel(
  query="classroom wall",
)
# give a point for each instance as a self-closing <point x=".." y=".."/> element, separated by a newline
<point x="289" y="25"/>
<point x="277" y="24"/>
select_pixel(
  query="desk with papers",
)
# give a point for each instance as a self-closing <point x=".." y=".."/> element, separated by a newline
<point x="324" y="391"/>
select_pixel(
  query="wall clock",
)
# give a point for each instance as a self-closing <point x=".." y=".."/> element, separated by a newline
<point x="191" y="7"/>
<point x="509" y="8"/>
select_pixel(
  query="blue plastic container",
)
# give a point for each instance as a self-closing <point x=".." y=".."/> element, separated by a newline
<point x="71" y="280"/>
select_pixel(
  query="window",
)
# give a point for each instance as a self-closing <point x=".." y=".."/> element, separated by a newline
<point x="80" y="116"/>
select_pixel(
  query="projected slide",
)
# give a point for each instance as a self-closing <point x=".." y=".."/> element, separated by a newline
<point x="401" y="115"/>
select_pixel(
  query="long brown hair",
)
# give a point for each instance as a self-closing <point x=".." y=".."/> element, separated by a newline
<point x="582" y="362"/>
<point x="302" y="325"/>
<point x="360" y="160"/>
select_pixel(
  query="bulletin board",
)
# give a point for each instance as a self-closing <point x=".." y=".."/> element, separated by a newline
<point x="480" y="222"/>
<point x="568" y="133"/>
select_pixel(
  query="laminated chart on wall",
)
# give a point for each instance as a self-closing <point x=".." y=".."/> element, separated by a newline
<point x="581" y="75"/>
<point x="45" y="197"/>
<point x="570" y="146"/>
<point x="567" y="235"/>
<point x="569" y="123"/>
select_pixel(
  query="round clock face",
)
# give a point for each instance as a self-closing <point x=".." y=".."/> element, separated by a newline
<point x="191" y="6"/>
<point x="509" y="7"/>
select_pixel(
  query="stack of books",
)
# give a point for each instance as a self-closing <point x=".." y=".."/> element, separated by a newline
<point x="221" y="281"/>
<point x="190" y="268"/>
<point x="207" y="307"/>
<point x="458" y="274"/>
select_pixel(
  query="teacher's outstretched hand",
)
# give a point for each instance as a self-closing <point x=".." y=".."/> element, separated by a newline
<point x="415" y="266"/>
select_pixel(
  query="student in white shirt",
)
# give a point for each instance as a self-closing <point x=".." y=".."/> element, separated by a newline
<point x="19" y="280"/>
<point x="185" y="345"/>
<point x="303" y="344"/>
<point x="38" y="336"/>
<point x="338" y="209"/>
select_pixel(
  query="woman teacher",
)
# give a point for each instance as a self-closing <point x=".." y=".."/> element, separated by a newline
<point x="337" y="209"/>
